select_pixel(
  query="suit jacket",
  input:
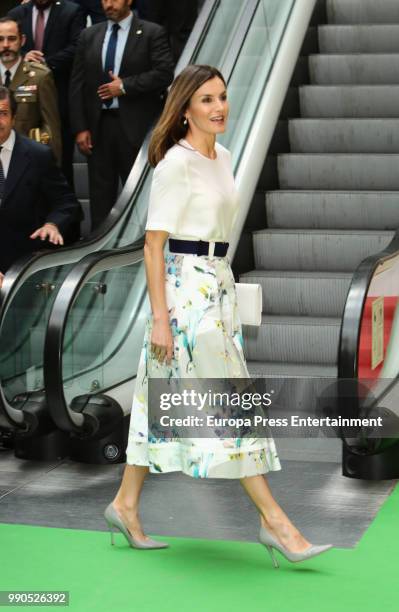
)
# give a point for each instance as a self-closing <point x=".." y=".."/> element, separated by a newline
<point x="6" y="5"/>
<point x="63" y="26"/>
<point x="146" y="70"/>
<point x="34" y="90"/>
<point x="35" y="192"/>
<point x="177" y="16"/>
<point x="92" y="9"/>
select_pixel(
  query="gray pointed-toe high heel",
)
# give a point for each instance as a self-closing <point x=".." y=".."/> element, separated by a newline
<point x="270" y="542"/>
<point x="114" y="520"/>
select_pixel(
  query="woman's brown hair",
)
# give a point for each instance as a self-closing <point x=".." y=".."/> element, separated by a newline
<point x="170" y="127"/>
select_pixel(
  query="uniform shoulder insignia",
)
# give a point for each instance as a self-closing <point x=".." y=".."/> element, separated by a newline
<point x="36" y="69"/>
<point x="32" y="66"/>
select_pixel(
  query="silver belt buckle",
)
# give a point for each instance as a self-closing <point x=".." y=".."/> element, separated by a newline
<point x="211" y="250"/>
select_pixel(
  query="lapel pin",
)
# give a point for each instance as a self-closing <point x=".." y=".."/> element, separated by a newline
<point x="139" y="31"/>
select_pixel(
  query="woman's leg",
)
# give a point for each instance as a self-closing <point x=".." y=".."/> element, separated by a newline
<point x="126" y="501"/>
<point x="271" y="514"/>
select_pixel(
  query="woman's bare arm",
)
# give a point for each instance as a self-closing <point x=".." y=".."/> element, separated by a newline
<point x="161" y="339"/>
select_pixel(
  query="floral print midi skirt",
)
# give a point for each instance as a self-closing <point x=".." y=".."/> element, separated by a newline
<point x="208" y="343"/>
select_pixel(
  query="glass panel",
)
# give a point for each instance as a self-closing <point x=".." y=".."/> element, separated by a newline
<point x="252" y="69"/>
<point x="105" y="331"/>
<point x="24" y="330"/>
<point x="104" y="334"/>
<point x="221" y="33"/>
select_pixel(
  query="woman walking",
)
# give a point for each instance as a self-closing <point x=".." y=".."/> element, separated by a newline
<point x="194" y="330"/>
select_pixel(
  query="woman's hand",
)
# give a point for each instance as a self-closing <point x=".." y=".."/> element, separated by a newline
<point x="162" y="341"/>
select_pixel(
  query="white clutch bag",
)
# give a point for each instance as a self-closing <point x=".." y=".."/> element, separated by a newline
<point x="249" y="300"/>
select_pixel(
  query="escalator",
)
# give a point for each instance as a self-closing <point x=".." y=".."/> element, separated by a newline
<point x="31" y="285"/>
<point x="326" y="254"/>
<point x="320" y="234"/>
<point x="93" y="344"/>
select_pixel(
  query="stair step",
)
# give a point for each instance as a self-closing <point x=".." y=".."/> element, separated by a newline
<point x="85" y="224"/>
<point x="311" y="250"/>
<point x="294" y="339"/>
<point x="344" y="135"/>
<point x="349" y="101"/>
<point x="307" y="370"/>
<point x="81" y="180"/>
<point x="364" y="210"/>
<point x="78" y="157"/>
<point x="293" y="293"/>
<point x="338" y="171"/>
<point x="362" y="11"/>
<point x="362" y="69"/>
<point x="371" y="38"/>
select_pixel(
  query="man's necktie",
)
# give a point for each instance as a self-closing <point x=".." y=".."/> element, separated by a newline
<point x="7" y="80"/>
<point x="109" y="64"/>
<point x="39" y="30"/>
<point x="2" y="179"/>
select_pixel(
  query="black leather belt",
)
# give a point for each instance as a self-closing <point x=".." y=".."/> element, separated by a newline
<point x="198" y="247"/>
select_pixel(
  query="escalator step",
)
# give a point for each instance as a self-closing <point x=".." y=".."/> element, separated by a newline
<point x="363" y="210"/>
<point x="313" y="250"/>
<point x="339" y="171"/>
<point x="361" y="69"/>
<point x="294" y="339"/>
<point x="344" y="135"/>
<point x="349" y="101"/>
<point x="267" y="368"/>
<point x="359" y="38"/>
<point x="362" y="11"/>
<point x="296" y="293"/>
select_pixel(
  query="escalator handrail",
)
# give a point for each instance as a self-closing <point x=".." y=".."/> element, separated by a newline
<point x="348" y="351"/>
<point x="29" y="265"/>
<point x="53" y="354"/>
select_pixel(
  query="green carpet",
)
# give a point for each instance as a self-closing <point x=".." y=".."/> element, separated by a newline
<point x="198" y="575"/>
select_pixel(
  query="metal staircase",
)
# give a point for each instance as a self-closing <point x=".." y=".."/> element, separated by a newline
<point x="338" y="195"/>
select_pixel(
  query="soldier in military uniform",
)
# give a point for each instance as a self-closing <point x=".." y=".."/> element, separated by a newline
<point x="33" y="87"/>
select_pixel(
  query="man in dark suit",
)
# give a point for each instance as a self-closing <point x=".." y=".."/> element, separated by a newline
<point x="121" y="69"/>
<point x="36" y="202"/>
<point x="92" y="9"/>
<point x="52" y="28"/>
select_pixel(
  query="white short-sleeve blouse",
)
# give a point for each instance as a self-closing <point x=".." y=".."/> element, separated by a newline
<point x="193" y="197"/>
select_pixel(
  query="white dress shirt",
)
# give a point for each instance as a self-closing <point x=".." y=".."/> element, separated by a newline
<point x="35" y="13"/>
<point x="6" y="152"/>
<point x="123" y="33"/>
<point x="13" y="70"/>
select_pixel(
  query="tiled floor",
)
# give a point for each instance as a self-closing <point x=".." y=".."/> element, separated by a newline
<point x="326" y="506"/>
